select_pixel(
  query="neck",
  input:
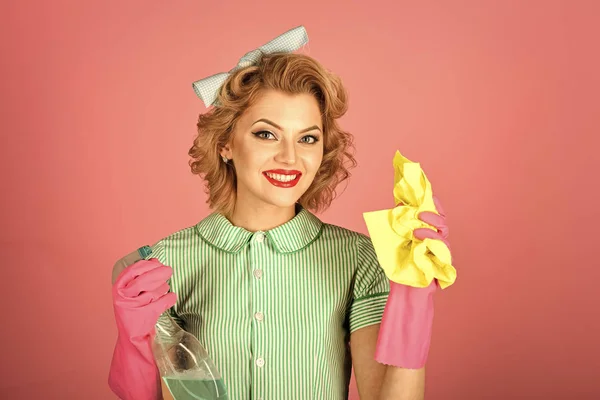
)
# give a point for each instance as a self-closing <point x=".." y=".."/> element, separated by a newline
<point x="262" y="217"/>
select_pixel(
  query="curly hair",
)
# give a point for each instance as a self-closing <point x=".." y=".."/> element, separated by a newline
<point x="289" y="73"/>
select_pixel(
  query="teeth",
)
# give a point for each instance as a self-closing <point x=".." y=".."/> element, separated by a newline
<point x="281" y="178"/>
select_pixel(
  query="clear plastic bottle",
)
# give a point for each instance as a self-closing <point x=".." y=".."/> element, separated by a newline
<point x="187" y="371"/>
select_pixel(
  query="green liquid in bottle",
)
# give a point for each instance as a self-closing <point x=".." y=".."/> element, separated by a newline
<point x="183" y="388"/>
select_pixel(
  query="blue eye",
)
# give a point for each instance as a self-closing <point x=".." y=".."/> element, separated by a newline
<point x="265" y="135"/>
<point x="309" y="139"/>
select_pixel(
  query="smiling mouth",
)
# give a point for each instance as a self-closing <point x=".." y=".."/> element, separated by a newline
<point x="281" y="177"/>
<point x="284" y="179"/>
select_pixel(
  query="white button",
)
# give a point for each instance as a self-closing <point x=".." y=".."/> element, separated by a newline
<point x="259" y="316"/>
<point x="258" y="273"/>
<point x="260" y="362"/>
<point x="260" y="237"/>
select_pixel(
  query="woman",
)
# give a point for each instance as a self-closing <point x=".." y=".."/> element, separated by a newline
<point x="273" y="293"/>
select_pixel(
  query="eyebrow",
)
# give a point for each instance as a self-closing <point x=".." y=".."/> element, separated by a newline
<point x="311" y="128"/>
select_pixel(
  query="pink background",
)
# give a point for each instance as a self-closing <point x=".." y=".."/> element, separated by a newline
<point x="497" y="99"/>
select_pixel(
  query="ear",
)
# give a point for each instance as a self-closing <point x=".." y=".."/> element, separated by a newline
<point x="226" y="151"/>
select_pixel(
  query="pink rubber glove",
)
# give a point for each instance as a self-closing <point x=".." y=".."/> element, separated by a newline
<point x="140" y="296"/>
<point x="405" y="331"/>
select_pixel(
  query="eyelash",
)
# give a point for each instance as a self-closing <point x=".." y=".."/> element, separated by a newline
<point x="261" y="134"/>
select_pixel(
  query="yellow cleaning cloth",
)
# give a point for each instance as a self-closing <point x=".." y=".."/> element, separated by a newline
<point x="404" y="258"/>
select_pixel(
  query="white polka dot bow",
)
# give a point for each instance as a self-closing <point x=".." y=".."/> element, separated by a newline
<point x="208" y="88"/>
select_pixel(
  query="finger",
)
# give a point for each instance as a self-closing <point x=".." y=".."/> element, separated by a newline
<point x="438" y="206"/>
<point x="426" y="233"/>
<point x="134" y="270"/>
<point x="165" y="302"/>
<point x="146" y="282"/>
<point x="153" y="295"/>
<point x="435" y="220"/>
<point x="153" y="300"/>
<point x="143" y="299"/>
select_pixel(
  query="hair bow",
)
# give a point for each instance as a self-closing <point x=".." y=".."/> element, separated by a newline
<point x="208" y="88"/>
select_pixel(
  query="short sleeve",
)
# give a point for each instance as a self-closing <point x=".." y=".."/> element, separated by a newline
<point x="371" y="287"/>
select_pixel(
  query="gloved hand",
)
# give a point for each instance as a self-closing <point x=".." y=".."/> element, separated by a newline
<point x="405" y="331"/>
<point x="140" y="295"/>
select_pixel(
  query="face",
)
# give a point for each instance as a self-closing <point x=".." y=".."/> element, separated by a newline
<point x="277" y="149"/>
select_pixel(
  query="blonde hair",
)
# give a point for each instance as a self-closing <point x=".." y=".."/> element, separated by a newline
<point x="288" y="73"/>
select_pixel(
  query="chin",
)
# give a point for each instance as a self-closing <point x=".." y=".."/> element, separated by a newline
<point x="283" y="203"/>
<point x="283" y="200"/>
<point x="280" y="197"/>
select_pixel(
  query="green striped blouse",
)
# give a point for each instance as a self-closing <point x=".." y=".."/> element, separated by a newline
<point x="275" y="309"/>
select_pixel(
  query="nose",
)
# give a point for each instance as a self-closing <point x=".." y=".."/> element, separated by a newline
<point x="286" y="153"/>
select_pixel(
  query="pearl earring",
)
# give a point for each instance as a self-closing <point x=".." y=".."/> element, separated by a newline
<point x="225" y="159"/>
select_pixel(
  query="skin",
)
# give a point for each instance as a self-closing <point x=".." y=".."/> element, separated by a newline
<point x="256" y="146"/>
<point x="377" y="381"/>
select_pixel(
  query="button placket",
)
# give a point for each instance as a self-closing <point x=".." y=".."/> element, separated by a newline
<point x="259" y="252"/>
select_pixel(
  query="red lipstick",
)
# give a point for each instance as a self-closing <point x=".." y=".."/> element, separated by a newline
<point x="283" y="178"/>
